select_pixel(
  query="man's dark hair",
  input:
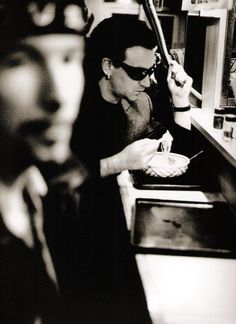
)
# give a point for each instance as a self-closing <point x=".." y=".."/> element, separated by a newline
<point x="111" y="37"/>
<point x="22" y="18"/>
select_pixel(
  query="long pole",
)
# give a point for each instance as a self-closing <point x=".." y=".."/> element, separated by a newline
<point x="154" y="21"/>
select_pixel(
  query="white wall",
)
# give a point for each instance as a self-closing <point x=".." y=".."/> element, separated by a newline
<point x="102" y="10"/>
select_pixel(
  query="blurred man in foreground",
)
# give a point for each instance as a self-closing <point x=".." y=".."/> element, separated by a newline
<point x="41" y="84"/>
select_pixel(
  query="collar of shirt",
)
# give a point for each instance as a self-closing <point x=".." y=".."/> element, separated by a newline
<point x="12" y="206"/>
<point x="35" y="182"/>
<point x="16" y="216"/>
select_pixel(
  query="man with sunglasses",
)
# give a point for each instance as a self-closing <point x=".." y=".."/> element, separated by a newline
<point x="116" y="131"/>
<point x="122" y="58"/>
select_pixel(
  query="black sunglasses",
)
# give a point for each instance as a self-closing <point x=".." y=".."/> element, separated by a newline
<point x="137" y="73"/>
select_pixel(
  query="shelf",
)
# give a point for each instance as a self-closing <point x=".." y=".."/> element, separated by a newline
<point x="203" y="121"/>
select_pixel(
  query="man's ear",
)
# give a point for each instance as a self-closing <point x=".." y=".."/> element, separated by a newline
<point x="107" y="67"/>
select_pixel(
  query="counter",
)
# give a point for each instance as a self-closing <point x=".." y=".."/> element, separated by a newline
<point x="129" y="194"/>
<point x="204" y="123"/>
<point x="183" y="289"/>
<point x="218" y="150"/>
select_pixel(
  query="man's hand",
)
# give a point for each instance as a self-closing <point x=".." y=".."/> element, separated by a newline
<point x="138" y="154"/>
<point x="179" y="84"/>
<point x="133" y="157"/>
<point x="164" y="173"/>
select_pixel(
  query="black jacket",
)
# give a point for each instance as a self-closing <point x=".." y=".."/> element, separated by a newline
<point x="90" y="246"/>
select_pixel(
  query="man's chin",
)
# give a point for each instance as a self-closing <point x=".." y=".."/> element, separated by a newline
<point x="134" y="96"/>
<point x="57" y="154"/>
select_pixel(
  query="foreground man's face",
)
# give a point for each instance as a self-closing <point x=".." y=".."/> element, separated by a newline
<point x="41" y="85"/>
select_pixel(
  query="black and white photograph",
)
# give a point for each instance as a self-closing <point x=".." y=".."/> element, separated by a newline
<point x="117" y="161"/>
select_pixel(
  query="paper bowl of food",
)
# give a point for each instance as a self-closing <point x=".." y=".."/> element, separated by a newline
<point x="165" y="164"/>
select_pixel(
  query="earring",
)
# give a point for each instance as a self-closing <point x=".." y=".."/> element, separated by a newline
<point x="108" y="76"/>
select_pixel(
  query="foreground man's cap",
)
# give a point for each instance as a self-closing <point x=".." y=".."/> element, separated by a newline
<point x="21" y="18"/>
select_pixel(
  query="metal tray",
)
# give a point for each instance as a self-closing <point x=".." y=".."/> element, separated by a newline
<point x="185" y="228"/>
